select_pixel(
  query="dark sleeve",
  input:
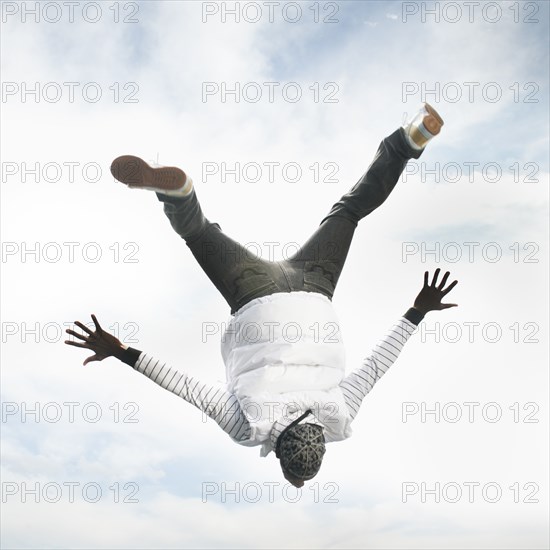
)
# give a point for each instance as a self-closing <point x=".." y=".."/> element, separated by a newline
<point x="414" y="316"/>
<point x="129" y="356"/>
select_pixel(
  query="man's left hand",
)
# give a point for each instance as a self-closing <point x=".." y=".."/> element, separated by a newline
<point x="429" y="298"/>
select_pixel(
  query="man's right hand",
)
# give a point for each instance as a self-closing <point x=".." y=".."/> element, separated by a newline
<point x="102" y="343"/>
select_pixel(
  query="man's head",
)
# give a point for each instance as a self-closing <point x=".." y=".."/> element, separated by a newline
<point x="300" y="450"/>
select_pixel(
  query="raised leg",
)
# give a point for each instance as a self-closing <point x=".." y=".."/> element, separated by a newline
<point x="239" y="275"/>
<point x="319" y="262"/>
<point x="236" y="272"/>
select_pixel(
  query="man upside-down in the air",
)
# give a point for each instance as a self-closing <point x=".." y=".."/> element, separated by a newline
<point x="286" y="387"/>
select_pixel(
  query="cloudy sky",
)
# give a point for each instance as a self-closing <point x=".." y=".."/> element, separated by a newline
<point x="109" y="460"/>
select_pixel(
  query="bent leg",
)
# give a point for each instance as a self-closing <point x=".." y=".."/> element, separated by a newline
<point x="239" y="275"/>
<point x="319" y="262"/>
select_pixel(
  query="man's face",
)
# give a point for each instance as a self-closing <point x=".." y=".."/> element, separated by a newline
<point x="294" y="480"/>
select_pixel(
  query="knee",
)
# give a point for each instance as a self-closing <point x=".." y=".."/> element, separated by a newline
<point x="376" y="199"/>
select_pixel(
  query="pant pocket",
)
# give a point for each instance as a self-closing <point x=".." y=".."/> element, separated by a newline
<point x="320" y="275"/>
<point x="250" y="284"/>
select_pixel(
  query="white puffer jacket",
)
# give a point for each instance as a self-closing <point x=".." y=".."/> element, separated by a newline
<point x="284" y="354"/>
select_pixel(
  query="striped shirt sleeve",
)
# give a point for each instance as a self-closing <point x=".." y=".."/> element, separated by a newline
<point x="356" y="385"/>
<point x="217" y="403"/>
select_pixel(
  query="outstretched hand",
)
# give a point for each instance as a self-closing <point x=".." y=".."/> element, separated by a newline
<point x="102" y="343"/>
<point x="429" y="298"/>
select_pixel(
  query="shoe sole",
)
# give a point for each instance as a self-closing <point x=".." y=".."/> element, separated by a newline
<point x="135" y="172"/>
<point x="433" y="122"/>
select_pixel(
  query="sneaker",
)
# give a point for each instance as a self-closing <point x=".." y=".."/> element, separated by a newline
<point x="137" y="174"/>
<point x="424" y="125"/>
